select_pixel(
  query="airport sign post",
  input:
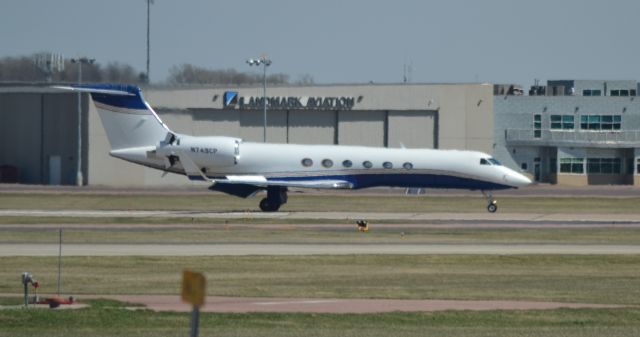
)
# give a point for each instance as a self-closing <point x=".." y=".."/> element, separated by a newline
<point x="193" y="291"/>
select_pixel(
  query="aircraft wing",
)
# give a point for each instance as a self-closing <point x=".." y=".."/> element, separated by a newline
<point x="247" y="184"/>
<point x="311" y="182"/>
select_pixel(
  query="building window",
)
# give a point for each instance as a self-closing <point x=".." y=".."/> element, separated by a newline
<point x="562" y="122"/>
<point x="600" y="122"/>
<point x="537" y="126"/>
<point x="572" y="165"/>
<point x="638" y="166"/>
<point x="306" y="162"/>
<point x="407" y="166"/>
<point x="387" y="165"/>
<point x="524" y="166"/>
<point x="327" y="163"/>
<point x="347" y="163"/>
<point x="591" y="92"/>
<point x="623" y="92"/>
<point x="367" y="164"/>
<point x="604" y="165"/>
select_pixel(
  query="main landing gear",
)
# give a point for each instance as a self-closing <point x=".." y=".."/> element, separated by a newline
<point x="276" y="196"/>
<point x="492" y="207"/>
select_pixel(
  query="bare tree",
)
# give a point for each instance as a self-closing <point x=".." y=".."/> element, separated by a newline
<point x="120" y="73"/>
<point x="21" y="68"/>
<point x="191" y="74"/>
<point x="304" y="79"/>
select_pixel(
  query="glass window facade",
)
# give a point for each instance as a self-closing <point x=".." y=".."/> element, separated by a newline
<point x="562" y="122"/>
<point x="591" y="92"/>
<point x="604" y="165"/>
<point x="601" y="122"/>
<point x="537" y="126"/>
<point x="572" y="165"/>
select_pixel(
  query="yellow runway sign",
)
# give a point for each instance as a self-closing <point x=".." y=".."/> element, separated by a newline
<point x="194" y="288"/>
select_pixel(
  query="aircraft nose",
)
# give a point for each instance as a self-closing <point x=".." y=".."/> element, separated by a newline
<point x="516" y="179"/>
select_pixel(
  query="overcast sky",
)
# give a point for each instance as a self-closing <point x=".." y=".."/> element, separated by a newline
<point x="343" y="41"/>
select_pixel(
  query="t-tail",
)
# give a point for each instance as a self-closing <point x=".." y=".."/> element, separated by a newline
<point x="133" y="128"/>
<point x="128" y="119"/>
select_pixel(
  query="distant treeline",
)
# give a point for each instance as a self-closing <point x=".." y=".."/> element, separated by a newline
<point x="25" y="69"/>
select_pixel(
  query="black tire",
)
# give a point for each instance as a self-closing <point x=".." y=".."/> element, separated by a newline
<point x="265" y="206"/>
<point x="492" y="207"/>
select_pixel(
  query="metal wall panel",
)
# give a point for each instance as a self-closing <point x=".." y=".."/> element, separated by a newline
<point x="414" y="129"/>
<point x="312" y="127"/>
<point x="21" y="135"/>
<point x="60" y="134"/>
<point x="361" y="128"/>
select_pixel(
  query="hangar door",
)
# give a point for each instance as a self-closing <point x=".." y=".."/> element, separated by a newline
<point x="414" y="129"/>
<point x="361" y="128"/>
<point x="312" y="127"/>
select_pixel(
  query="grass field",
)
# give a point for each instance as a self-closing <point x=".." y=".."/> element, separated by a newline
<point x="109" y="318"/>
<point x="610" y="279"/>
<point x="308" y="202"/>
<point x="587" y="279"/>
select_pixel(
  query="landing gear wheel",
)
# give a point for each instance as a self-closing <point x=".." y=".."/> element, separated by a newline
<point x="266" y="206"/>
<point x="492" y="207"/>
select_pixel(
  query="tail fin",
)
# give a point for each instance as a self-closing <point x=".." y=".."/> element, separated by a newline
<point x="128" y="119"/>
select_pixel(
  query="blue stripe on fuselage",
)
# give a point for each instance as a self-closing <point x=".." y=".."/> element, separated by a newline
<point x="405" y="180"/>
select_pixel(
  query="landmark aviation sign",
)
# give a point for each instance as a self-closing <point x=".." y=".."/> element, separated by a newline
<point x="231" y="100"/>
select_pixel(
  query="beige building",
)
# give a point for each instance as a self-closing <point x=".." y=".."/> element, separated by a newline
<point x="445" y="116"/>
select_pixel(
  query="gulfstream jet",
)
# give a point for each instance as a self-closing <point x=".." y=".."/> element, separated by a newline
<point x="240" y="168"/>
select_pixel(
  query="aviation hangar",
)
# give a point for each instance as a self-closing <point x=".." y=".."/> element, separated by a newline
<point x="39" y="130"/>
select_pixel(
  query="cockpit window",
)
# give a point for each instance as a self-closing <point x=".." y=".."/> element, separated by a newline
<point x="489" y="161"/>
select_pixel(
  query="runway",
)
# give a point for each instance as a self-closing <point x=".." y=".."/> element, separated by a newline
<point x="37" y="249"/>
<point x="482" y="217"/>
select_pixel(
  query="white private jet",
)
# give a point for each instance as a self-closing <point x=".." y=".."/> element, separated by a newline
<point x="239" y="168"/>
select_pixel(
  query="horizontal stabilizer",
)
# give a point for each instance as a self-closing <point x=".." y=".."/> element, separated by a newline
<point x="96" y="90"/>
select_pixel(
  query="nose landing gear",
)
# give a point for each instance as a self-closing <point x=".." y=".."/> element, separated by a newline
<point x="492" y="207"/>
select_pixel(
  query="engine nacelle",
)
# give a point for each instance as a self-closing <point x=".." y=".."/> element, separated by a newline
<point x="210" y="152"/>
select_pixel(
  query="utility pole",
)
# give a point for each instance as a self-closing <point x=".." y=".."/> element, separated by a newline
<point x="80" y="61"/>
<point x="265" y="62"/>
<point x="149" y="3"/>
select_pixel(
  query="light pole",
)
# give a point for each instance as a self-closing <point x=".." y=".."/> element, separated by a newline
<point x="265" y="62"/>
<point x="80" y="61"/>
<point x="149" y="3"/>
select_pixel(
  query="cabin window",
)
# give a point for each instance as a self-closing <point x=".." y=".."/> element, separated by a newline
<point x="327" y="163"/>
<point x="495" y="162"/>
<point x="387" y="165"/>
<point x="407" y="166"/>
<point x="347" y="163"/>
<point x="307" y="162"/>
<point x="367" y="164"/>
<point x="484" y="162"/>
